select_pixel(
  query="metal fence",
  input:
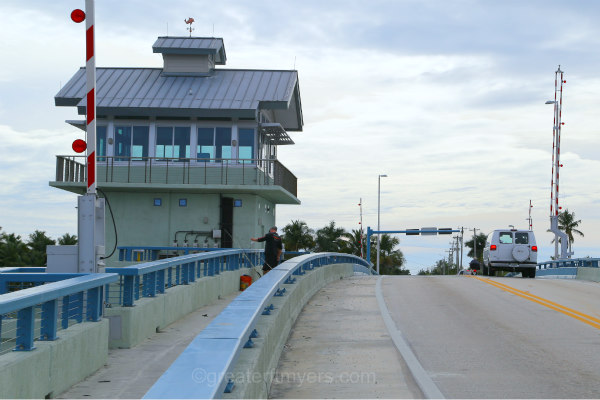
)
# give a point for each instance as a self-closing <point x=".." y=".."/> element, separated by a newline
<point x="39" y="312"/>
<point x="193" y="171"/>
<point x="574" y="262"/>
<point x="153" y="278"/>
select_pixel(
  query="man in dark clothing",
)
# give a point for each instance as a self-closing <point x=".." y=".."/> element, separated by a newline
<point x="273" y="249"/>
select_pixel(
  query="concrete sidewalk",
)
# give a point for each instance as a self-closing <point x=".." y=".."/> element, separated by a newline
<point x="340" y="348"/>
<point x="129" y="373"/>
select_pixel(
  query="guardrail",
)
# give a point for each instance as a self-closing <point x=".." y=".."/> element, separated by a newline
<point x="153" y="253"/>
<point x="39" y="312"/>
<point x="153" y="278"/>
<point x="203" y="369"/>
<point x="173" y="170"/>
<point x="574" y="262"/>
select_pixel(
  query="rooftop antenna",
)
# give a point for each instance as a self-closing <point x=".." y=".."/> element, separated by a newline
<point x="529" y="219"/>
<point x="361" y="229"/>
<point x="294" y="63"/>
<point x="189" y="21"/>
<point x="556" y="165"/>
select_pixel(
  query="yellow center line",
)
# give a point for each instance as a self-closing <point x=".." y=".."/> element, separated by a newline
<point x="587" y="319"/>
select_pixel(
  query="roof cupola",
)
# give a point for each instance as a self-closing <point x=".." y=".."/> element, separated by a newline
<point x="190" y="55"/>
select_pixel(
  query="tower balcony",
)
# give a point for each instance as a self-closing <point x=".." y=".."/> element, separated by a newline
<point x="265" y="177"/>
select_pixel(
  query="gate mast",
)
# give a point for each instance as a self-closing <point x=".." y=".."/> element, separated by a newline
<point x="556" y="130"/>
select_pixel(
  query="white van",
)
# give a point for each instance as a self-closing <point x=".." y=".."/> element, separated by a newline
<point x="510" y="250"/>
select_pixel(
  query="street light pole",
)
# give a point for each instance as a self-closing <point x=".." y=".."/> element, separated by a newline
<point x="378" y="216"/>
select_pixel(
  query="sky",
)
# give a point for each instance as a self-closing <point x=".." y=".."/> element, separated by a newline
<point x="445" y="97"/>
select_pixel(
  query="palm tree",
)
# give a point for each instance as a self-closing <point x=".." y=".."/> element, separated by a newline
<point x="297" y="235"/>
<point x="67" y="239"/>
<point x="13" y="251"/>
<point x="388" y="243"/>
<point x="38" y="241"/>
<point x="481" y="239"/>
<point x="356" y="240"/>
<point x="567" y="224"/>
<point x="330" y="238"/>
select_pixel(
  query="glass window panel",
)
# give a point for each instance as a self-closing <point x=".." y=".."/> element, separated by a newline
<point x="101" y="143"/>
<point x="246" y="144"/>
<point x="122" y="143"/>
<point x="140" y="142"/>
<point x="164" y="142"/>
<point x="505" y="238"/>
<point x="182" y="142"/>
<point x="223" y="143"/>
<point x="521" y="238"/>
<point x="206" y="143"/>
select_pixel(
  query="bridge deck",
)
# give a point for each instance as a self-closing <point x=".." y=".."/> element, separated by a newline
<point x="340" y="348"/>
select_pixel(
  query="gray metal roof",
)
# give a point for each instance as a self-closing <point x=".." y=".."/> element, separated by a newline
<point x="191" y="45"/>
<point x="224" y="93"/>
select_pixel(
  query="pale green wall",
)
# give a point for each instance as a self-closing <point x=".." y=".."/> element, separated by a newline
<point x="140" y="223"/>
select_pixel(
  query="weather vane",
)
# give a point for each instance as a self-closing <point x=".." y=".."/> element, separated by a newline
<point x="189" y="21"/>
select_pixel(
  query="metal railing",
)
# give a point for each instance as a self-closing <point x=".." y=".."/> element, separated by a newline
<point x="574" y="262"/>
<point x="38" y="313"/>
<point x="165" y="170"/>
<point x="153" y="278"/>
<point x="214" y="352"/>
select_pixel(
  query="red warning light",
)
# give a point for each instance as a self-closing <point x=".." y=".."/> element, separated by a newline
<point x="77" y="15"/>
<point x="79" y="146"/>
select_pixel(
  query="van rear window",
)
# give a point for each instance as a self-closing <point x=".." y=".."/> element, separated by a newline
<point x="521" y="238"/>
<point x="505" y="237"/>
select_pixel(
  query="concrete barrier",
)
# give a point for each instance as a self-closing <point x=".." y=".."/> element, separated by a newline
<point x="54" y="366"/>
<point x="588" y="274"/>
<point x="129" y="326"/>
<point x="255" y="368"/>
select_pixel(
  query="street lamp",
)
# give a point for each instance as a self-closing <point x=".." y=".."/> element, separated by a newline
<point x="378" y="215"/>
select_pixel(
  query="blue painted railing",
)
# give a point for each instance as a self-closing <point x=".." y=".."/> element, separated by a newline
<point x="153" y="253"/>
<point x="153" y="278"/>
<point x="14" y="281"/>
<point x="41" y="311"/>
<point x="574" y="262"/>
<point x="203" y="369"/>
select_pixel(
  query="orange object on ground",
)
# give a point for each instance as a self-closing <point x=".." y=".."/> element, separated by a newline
<point x="245" y="281"/>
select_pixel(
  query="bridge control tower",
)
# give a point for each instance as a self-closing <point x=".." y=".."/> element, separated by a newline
<point x="187" y="153"/>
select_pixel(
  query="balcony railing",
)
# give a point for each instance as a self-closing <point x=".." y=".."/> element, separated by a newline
<point x="177" y="171"/>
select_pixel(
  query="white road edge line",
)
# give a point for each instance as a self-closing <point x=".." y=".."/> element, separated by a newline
<point x="424" y="381"/>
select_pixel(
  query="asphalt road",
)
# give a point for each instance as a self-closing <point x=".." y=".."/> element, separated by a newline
<point x="501" y="337"/>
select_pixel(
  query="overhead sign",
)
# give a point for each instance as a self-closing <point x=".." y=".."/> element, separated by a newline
<point x="410" y="232"/>
<point x="445" y="231"/>
<point x="429" y="231"/>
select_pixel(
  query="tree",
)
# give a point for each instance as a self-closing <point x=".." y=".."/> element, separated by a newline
<point x="37" y="245"/>
<point x="441" y="267"/>
<point x="388" y="243"/>
<point x="391" y="261"/>
<point x="67" y="239"/>
<point x="298" y="236"/>
<point x="480" y="240"/>
<point x="13" y="251"/>
<point x="354" y="241"/>
<point x="567" y="224"/>
<point x="331" y="239"/>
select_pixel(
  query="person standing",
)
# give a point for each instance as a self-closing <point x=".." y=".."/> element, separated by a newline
<point x="273" y="249"/>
